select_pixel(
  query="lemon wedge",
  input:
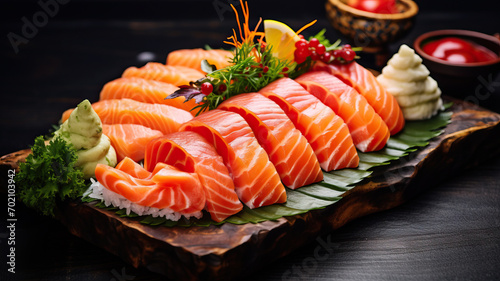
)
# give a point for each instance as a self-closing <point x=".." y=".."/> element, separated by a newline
<point x="282" y="39"/>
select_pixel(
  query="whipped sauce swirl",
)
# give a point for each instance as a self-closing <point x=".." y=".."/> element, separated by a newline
<point x="408" y="80"/>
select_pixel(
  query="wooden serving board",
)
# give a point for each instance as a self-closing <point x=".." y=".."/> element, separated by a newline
<point x="229" y="251"/>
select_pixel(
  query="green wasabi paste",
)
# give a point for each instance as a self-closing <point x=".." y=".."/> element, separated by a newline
<point x="83" y="129"/>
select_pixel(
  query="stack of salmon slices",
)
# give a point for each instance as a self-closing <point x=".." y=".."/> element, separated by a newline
<point x="248" y="150"/>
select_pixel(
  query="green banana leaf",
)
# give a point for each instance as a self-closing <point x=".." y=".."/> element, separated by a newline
<point x="415" y="135"/>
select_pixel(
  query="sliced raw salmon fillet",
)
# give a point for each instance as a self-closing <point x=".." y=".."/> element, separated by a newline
<point x="130" y="140"/>
<point x="368" y="130"/>
<point x="222" y="200"/>
<point x="177" y="75"/>
<point x="161" y="117"/>
<point x="287" y="148"/>
<point x="144" y="90"/>
<point x="255" y="178"/>
<point x="131" y="167"/>
<point x="192" y="58"/>
<point x="326" y="132"/>
<point x="361" y="79"/>
<point x="164" y="188"/>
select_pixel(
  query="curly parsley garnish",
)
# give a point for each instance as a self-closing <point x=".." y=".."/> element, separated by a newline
<point x="49" y="175"/>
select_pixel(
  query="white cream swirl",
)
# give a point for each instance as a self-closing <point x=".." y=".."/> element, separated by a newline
<point x="408" y="80"/>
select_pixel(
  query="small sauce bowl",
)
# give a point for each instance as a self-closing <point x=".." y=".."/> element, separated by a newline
<point x="473" y="82"/>
<point x="371" y="30"/>
<point x="436" y="65"/>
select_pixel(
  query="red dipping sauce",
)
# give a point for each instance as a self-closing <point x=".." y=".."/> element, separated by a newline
<point x="375" y="6"/>
<point x="457" y="50"/>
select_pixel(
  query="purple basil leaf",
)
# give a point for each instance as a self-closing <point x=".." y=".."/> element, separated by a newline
<point x="188" y="93"/>
<point x="197" y="97"/>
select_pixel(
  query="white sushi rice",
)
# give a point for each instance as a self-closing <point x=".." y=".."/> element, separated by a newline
<point x="110" y="198"/>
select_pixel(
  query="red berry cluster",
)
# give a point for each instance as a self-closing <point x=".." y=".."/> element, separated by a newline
<point x="317" y="51"/>
<point x="313" y="49"/>
<point x="345" y="53"/>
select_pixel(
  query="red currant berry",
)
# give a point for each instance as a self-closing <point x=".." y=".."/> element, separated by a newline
<point x="206" y="88"/>
<point x="300" y="60"/>
<point x="348" y="54"/>
<point x="285" y="69"/>
<point x="308" y="52"/>
<point x="301" y="36"/>
<point x="336" y="53"/>
<point x="301" y="44"/>
<point x="305" y="52"/>
<point x="222" y="87"/>
<point x="299" y="56"/>
<point x="327" y="57"/>
<point x="314" y="55"/>
<point x="265" y="69"/>
<point x="347" y="46"/>
<point x="313" y="42"/>
<point x="320" y="49"/>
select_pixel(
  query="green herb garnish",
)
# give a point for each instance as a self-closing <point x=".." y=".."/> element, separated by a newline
<point x="49" y="175"/>
<point x="253" y="67"/>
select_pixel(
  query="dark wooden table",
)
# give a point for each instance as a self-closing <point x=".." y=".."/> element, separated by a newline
<point x="450" y="232"/>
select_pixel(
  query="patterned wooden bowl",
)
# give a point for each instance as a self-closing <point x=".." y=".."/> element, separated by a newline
<point x="371" y="30"/>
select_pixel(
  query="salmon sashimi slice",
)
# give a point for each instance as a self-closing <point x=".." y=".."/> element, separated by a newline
<point x="157" y="151"/>
<point x="165" y="188"/>
<point x="221" y="198"/>
<point x="287" y="148"/>
<point x="143" y="90"/>
<point x="130" y="140"/>
<point x="361" y="79"/>
<point x="177" y="75"/>
<point x="192" y="58"/>
<point x="161" y="117"/>
<point x="326" y="132"/>
<point x="368" y="130"/>
<point x="130" y="167"/>
<point x="255" y="178"/>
